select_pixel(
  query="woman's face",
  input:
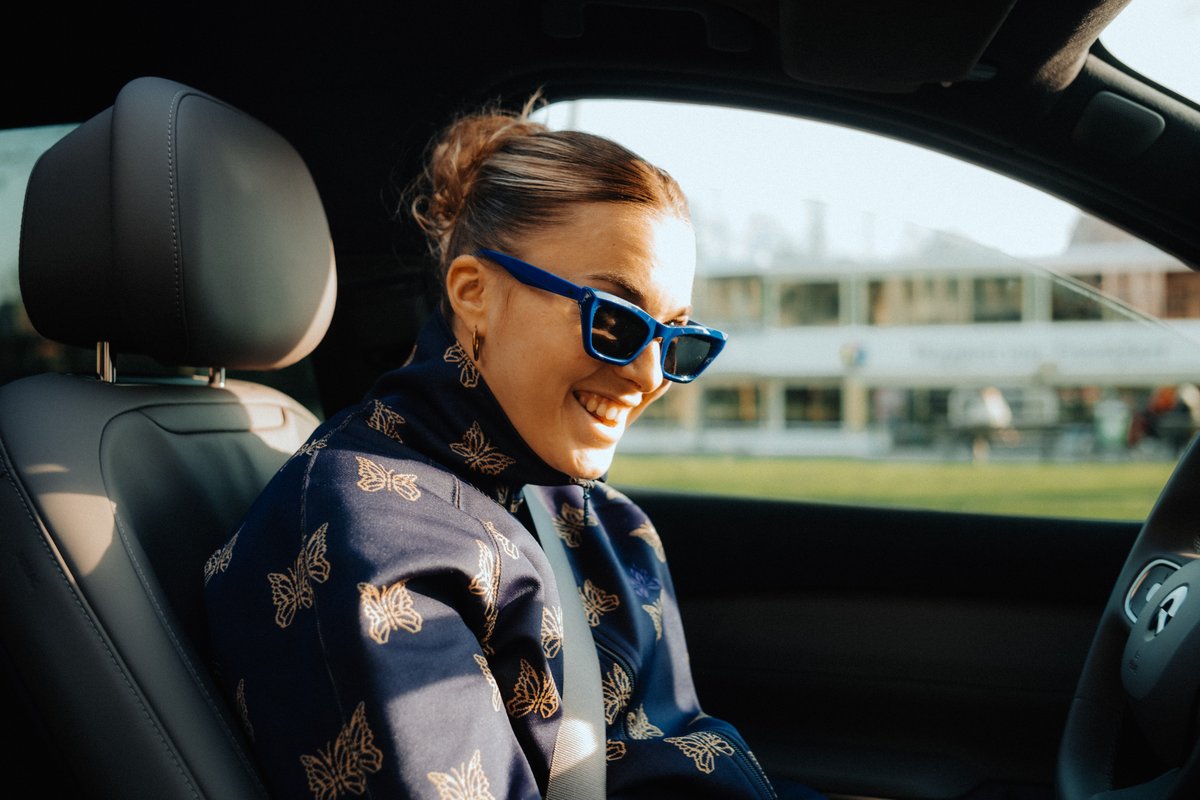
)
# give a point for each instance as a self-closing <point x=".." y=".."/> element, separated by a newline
<point x="570" y="408"/>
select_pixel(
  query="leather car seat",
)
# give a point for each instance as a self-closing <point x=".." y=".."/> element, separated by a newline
<point x="174" y="226"/>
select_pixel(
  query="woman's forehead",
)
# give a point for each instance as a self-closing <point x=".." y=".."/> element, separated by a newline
<point x="643" y="254"/>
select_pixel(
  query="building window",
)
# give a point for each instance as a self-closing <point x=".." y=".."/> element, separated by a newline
<point x="923" y="300"/>
<point x="1076" y="300"/>
<point x="812" y="404"/>
<point x="997" y="299"/>
<point x="1183" y="295"/>
<point x="733" y="405"/>
<point x="809" y="304"/>
<point x="731" y="300"/>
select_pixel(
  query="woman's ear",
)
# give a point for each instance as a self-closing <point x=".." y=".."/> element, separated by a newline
<point x="466" y="284"/>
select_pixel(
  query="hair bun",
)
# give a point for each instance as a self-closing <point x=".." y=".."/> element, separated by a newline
<point x="458" y="154"/>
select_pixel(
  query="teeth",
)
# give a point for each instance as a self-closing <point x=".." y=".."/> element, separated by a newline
<point x="600" y="408"/>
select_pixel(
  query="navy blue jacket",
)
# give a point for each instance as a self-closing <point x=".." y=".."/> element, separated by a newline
<point x="385" y="624"/>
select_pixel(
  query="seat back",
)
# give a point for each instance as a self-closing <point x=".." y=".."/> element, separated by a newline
<point x="174" y="226"/>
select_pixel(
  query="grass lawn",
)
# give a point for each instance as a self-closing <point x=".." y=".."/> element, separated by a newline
<point x="1104" y="490"/>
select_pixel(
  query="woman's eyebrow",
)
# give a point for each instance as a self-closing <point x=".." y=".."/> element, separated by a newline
<point x="627" y="291"/>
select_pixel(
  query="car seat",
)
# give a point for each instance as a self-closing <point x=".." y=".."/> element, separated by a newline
<point x="174" y="226"/>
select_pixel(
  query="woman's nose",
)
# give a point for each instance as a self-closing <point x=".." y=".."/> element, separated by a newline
<point x="645" y="371"/>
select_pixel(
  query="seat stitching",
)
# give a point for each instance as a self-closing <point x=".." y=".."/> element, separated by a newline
<point x="11" y="478"/>
<point x="174" y="209"/>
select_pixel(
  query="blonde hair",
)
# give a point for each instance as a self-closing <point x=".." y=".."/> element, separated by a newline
<point x="494" y="175"/>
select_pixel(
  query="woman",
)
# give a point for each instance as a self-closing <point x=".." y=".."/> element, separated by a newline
<point x="385" y="619"/>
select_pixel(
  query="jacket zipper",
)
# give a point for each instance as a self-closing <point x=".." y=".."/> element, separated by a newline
<point x="752" y="766"/>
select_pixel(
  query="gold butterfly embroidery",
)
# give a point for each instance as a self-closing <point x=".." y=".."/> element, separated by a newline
<point x="506" y="546"/>
<point x="308" y="448"/>
<point x="466" y="782"/>
<point x="243" y="711"/>
<point x="497" y="703"/>
<point x="385" y="420"/>
<point x="702" y="747"/>
<point x="533" y="692"/>
<point x="374" y="478"/>
<point x="613" y="750"/>
<point x="468" y="374"/>
<point x="485" y="582"/>
<point x="294" y="591"/>
<point x="639" y="726"/>
<point x="219" y="561"/>
<point x="646" y="533"/>
<point x="570" y="522"/>
<point x="655" y="610"/>
<point x="480" y="455"/>
<point x="616" y="689"/>
<point x="551" y="631"/>
<point x="611" y="493"/>
<point x="596" y="601"/>
<point x="387" y="609"/>
<point x="343" y="766"/>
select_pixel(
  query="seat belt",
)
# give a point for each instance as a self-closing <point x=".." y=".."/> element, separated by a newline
<point x="577" y="768"/>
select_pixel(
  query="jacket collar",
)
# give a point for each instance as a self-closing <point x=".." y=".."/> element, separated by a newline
<point x="443" y="408"/>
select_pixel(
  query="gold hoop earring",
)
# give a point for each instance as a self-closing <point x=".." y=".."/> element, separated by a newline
<point x="475" y="345"/>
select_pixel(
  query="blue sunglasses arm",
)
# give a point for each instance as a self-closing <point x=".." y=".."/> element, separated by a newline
<point x="530" y="275"/>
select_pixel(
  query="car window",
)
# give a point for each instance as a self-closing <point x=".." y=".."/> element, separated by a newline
<point x="907" y="329"/>
<point x="22" y="351"/>
<point x="1158" y="40"/>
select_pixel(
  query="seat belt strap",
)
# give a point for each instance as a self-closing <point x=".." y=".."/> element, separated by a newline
<point x="577" y="768"/>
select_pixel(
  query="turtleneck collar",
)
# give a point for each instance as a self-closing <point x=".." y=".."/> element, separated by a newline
<point x="450" y="415"/>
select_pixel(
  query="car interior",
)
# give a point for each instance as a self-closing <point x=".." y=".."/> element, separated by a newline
<point x="896" y="653"/>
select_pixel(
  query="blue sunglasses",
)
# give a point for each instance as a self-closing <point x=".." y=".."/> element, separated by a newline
<point x="616" y="331"/>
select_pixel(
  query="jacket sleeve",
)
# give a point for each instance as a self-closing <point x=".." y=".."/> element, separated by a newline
<point x="430" y="632"/>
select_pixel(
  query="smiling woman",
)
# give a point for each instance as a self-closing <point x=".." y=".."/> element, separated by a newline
<point x="410" y="602"/>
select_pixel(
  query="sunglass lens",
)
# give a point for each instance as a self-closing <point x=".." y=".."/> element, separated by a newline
<point x="617" y="332"/>
<point x="687" y="355"/>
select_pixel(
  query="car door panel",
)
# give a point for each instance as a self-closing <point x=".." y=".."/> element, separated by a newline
<point x="884" y="652"/>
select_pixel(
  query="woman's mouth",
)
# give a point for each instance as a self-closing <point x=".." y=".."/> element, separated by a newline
<point x="604" y="410"/>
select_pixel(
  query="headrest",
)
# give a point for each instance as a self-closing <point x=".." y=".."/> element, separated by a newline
<point x="175" y="226"/>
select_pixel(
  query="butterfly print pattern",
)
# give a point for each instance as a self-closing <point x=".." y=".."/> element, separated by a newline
<point x="613" y="750"/>
<point x="375" y="478"/>
<point x="342" y="767"/>
<point x="243" y="711"/>
<point x="570" y="522"/>
<point x="219" y="561"/>
<point x="647" y="534"/>
<point x="703" y="747"/>
<point x="486" y="584"/>
<point x="616" y="688"/>
<point x="497" y="703"/>
<point x="292" y="591"/>
<point x="506" y="546"/>
<point x="385" y="420"/>
<point x="611" y="493"/>
<point x="552" y="632"/>
<point x="534" y="692"/>
<point x="308" y="448"/>
<point x="596" y="602"/>
<point x="387" y="609"/>
<point x="468" y="374"/>
<point x="644" y="584"/>
<point x="655" y="610"/>
<point x="639" y="726"/>
<point x="464" y="782"/>
<point x="479" y="454"/>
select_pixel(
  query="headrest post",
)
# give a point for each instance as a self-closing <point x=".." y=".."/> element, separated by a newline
<point x="106" y="370"/>
<point x="216" y="377"/>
